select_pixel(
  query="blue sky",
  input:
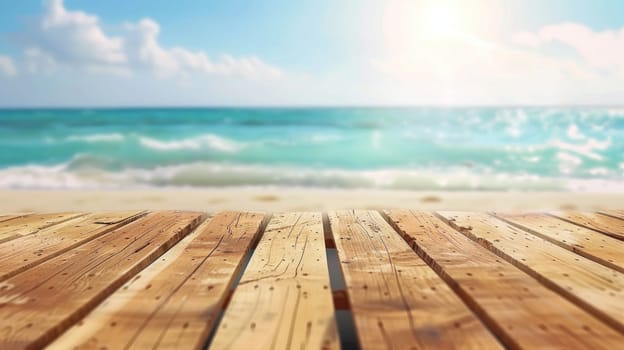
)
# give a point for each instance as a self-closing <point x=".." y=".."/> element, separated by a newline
<point x="191" y="52"/>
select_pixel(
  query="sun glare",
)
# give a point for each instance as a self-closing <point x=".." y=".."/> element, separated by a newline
<point x="436" y="30"/>
<point x="440" y="20"/>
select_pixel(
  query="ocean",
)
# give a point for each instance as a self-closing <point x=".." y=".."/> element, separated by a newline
<point x="450" y="149"/>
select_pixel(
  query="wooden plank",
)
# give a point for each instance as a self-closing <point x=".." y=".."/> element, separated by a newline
<point x="25" y="225"/>
<point x="27" y="251"/>
<point x="283" y="300"/>
<point x="5" y="217"/>
<point x="397" y="300"/>
<point x="39" y="304"/>
<point x="595" y="287"/>
<point x="111" y="218"/>
<point x="583" y="241"/>
<point x="613" y="213"/>
<point x="521" y="311"/>
<point x="173" y="303"/>
<point x="602" y="223"/>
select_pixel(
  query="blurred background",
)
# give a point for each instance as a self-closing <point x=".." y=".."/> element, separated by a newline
<point x="308" y="105"/>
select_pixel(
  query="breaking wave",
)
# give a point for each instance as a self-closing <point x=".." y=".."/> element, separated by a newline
<point x="204" y="174"/>
<point x="210" y="141"/>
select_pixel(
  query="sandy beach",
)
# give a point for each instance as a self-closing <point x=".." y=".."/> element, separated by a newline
<point x="273" y="199"/>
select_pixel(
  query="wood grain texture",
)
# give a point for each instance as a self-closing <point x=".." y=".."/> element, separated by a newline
<point x="521" y="311"/>
<point x="39" y="304"/>
<point x="110" y="218"/>
<point x="595" y="287"/>
<point x="25" y="225"/>
<point x="619" y="214"/>
<point x="27" y="251"/>
<point x="5" y="217"/>
<point x="174" y="302"/>
<point x="397" y="300"/>
<point x="603" y="223"/>
<point x="586" y="242"/>
<point x="283" y="300"/>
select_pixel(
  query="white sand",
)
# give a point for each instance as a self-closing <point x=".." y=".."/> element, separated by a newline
<point x="297" y="199"/>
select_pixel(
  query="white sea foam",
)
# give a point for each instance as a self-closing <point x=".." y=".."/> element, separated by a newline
<point x="587" y="149"/>
<point x="574" y="133"/>
<point x="45" y="177"/>
<point x="209" y="141"/>
<point x="205" y="174"/>
<point x="534" y="159"/>
<point x="112" y="137"/>
<point x="594" y="185"/>
<point x="599" y="171"/>
<point x="568" y="162"/>
<point x="568" y="158"/>
<point x="514" y="131"/>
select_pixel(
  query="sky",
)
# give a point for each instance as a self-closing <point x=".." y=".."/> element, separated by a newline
<point x="82" y="53"/>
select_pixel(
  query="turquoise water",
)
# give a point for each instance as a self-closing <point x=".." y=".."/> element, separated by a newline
<point x="387" y="148"/>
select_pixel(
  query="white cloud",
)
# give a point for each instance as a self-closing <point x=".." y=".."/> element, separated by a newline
<point x="7" y="67"/>
<point x="462" y="63"/>
<point x="142" y="45"/>
<point x="410" y="66"/>
<point x="76" y="39"/>
<point x="601" y="50"/>
<point x="36" y="61"/>
<point x="144" y="51"/>
<point x="463" y="68"/>
<point x="468" y="70"/>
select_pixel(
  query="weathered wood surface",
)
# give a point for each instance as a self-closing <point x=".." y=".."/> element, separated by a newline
<point x="283" y="300"/>
<point x="586" y="242"/>
<point x="595" y="287"/>
<point x="606" y="224"/>
<point x="173" y="303"/>
<point x="18" y="226"/>
<point x="39" y="304"/>
<point x="524" y="313"/>
<point x="613" y="213"/>
<point x="5" y="217"/>
<point x="27" y="251"/>
<point x="170" y="280"/>
<point x="396" y="299"/>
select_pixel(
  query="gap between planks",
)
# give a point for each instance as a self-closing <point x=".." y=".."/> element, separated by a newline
<point x="340" y="298"/>
<point x="395" y="297"/>
<point x="600" y="222"/>
<point x="175" y="301"/>
<point x="283" y="299"/>
<point x="594" y="287"/>
<point x="26" y="252"/>
<point x="499" y="293"/>
<point x="31" y="316"/>
<point x="591" y="244"/>
<point x="20" y="226"/>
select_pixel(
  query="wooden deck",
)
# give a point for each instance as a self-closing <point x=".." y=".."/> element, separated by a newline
<point x="346" y="279"/>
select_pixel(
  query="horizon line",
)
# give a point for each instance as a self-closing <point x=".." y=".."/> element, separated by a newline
<point x="311" y="106"/>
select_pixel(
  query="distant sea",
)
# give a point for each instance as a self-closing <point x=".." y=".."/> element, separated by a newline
<point x="500" y="149"/>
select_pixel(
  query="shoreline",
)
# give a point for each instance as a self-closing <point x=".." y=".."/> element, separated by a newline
<point x="275" y="199"/>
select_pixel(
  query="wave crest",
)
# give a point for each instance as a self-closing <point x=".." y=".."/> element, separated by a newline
<point x="210" y="141"/>
<point x="112" y="137"/>
<point x="204" y="174"/>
